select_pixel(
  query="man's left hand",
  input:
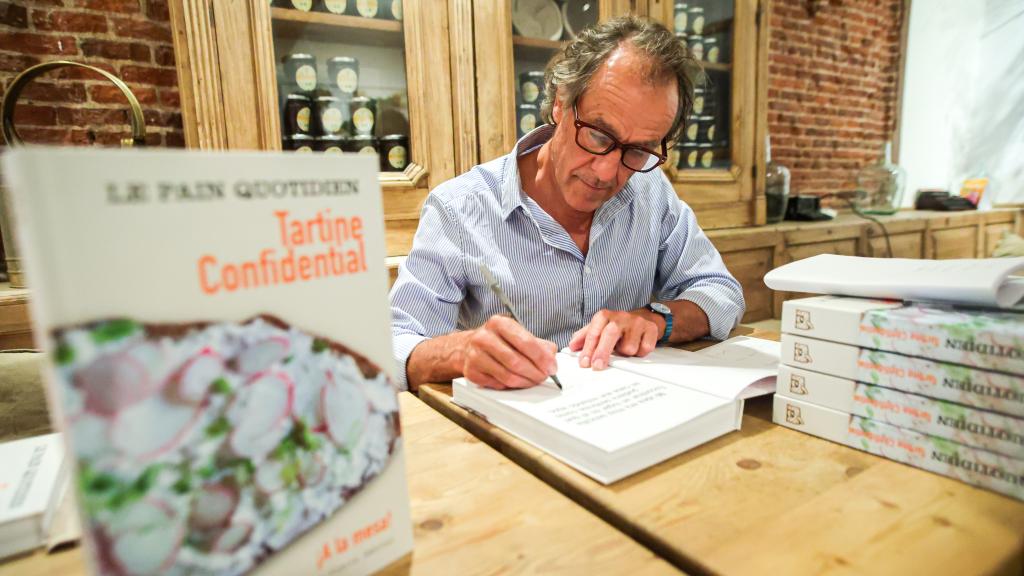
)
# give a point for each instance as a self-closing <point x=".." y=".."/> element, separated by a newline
<point x="627" y="333"/>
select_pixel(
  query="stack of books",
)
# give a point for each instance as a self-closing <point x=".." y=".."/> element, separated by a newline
<point x="936" y="387"/>
<point x="32" y="480"/>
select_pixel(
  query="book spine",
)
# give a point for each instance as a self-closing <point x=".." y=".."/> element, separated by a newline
<point x="994" y="391"/>
<point x="981" y="340"/>
<point x="974" y="466"/>
<point x="968" y="426"/>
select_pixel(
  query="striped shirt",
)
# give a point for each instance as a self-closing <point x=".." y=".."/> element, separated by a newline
<point x="645" y="245"/>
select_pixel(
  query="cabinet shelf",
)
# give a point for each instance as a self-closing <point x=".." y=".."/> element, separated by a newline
<point x="337" y="27"/>
<point x="535" y="48"/>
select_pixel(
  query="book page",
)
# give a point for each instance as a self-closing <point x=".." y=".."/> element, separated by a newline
<point x="609" y="409"/>
<point x="978" y="281"/>
<point x="726" y="369"/>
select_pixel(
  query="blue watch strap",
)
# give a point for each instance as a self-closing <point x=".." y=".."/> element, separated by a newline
<point x="668" y="329"/>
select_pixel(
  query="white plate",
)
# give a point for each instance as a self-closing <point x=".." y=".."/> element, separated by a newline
<point x="537" y="19"/>
<point x="578" y="14"/>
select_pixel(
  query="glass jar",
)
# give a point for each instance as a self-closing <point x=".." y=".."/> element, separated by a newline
<point x="776" y="186"/>
<point x="880" y="186"/>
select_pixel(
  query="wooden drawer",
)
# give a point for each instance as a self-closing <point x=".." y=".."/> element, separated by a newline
<point x="955" y="243"/>
<point x="993" y="234"/>
<point x="845" y="247"/>
<point x="909" y="245"/>
<point x="749" y="268"/>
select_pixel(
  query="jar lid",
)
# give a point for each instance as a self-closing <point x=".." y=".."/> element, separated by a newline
<point x="702" y="118"/>
<point x="533" y="74"/>
<point x="330" y="138"/>
<point x="680" y="4"/>
<point x="711" y="40"/>
<point x="299" y="56"/>
<point x="696" y="9"/>
<point x="393" y="138"/>
<point x="359" y="100"/>
<point x="341" y="60"/>
<point x="528" y="107"/>
<point x="696" y="38"/>
<point x="294" y="96"/>
<point x="362" y="138"/>
<point x="328" y="99"/>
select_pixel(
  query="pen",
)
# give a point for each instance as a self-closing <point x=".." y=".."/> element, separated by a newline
<point x="492" y="283"/>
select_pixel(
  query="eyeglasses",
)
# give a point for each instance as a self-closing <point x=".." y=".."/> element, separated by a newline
<point x="597" y="141"/>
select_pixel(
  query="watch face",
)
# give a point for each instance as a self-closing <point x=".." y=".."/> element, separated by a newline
<point x="660" y="308"/>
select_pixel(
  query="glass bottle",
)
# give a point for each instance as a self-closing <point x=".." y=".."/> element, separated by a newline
<point x="880" y="186"/>
<point x="776" y="185"/>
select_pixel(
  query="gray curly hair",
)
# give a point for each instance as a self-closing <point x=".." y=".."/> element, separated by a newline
<point x="573" y="67"/>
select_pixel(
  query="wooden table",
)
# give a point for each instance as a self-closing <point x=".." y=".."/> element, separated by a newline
<point x="474" y="512"/>
<point x="770" y="500"/>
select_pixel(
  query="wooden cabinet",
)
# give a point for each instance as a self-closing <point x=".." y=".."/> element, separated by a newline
<point x="235" y="80"/>
<point x="446" y="75"/>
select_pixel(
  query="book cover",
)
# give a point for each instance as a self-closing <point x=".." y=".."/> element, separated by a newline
<point x="988" y="339"/>
<point x="32" y="478"/>
<point x="987" y="282"/>
<point x="969" y="426"/>
<point x="217" y="329"/>
<point x="995" y="391"/>
<point x="610" y="423"/>
<point x="974" y="466"/>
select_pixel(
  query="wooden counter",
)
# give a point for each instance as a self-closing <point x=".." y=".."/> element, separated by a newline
<point x="474" y="512"/>
<point x="769" y="500"/>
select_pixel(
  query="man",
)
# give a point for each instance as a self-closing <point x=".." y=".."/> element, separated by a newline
<point x="579" y="225"/>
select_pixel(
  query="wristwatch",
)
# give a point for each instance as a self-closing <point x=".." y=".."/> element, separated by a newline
<point x="666" y="313"/>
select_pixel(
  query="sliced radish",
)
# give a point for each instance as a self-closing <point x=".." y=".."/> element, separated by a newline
<point x="260" y="413"/>
<point x="213" y="506"/>
<point x="145" y="538"/>
<point x="152" y="428"/>
<point x="261" y="355"/>
<point x="115" y="381"/>
<point x="194" y="379"/>
<point x="312" y="470"/>
<point x="344" y="408"/>
<point x="308" y="388"/>
<point x="90" y="435"/>
<point x="269" y="477"/>
<point x="232" y="538"/>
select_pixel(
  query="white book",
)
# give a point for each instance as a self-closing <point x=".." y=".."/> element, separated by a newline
<point x="612" y="423"/>
<point x="974" y="281"/>
<point x="999" y="433"/>
<point x="974" y="466"/>
<point x="32" y="479"/>
<point x="985" y="339"/>
<point x="219" y="356"/>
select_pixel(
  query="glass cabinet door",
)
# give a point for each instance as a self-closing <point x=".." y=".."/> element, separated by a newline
<point x="341" y="81"/>
<point x="712" y="166"/>
<point x="510" y="64"/>
<point x="539" y="29"/>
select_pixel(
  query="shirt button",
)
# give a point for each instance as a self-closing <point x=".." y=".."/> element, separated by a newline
<point x="586" y="269"/>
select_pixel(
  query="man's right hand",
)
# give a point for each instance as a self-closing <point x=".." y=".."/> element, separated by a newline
<point x="503" y="354"/>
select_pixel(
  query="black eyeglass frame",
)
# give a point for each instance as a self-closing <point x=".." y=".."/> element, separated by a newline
<point x="577" y="123"/>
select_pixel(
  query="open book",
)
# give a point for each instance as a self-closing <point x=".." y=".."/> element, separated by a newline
<point x="612" y="423"/>
<point x="979" y="282"/>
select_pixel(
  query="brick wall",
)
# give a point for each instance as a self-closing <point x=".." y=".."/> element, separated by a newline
<point x="833" y="67"/>
<point x="129" y="38"/>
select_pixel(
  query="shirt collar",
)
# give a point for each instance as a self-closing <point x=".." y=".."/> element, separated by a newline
<point x="512" y="189"/>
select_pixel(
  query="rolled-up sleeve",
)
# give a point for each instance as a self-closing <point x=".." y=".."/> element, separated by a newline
<point x="430" y="286"/>
<point x="690" y="268"/>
